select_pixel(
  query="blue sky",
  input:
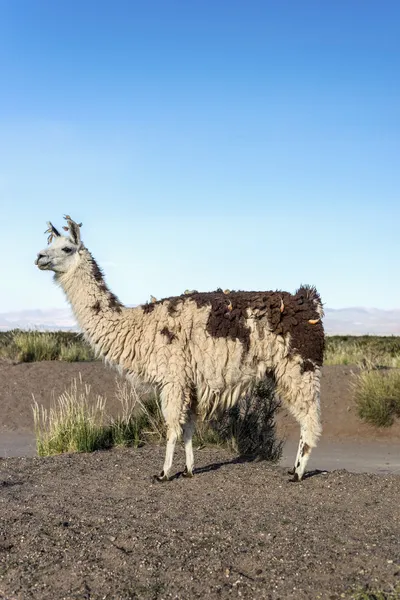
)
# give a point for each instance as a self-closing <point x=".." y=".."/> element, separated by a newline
<point x="250" y="145"/>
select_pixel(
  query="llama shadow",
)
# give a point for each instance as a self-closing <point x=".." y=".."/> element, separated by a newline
<point x="239" y="460"/>
<point x="212" y="467"/>
<point x="315" y="473"/>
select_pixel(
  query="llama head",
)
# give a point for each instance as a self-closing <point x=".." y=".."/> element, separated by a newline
<point x="63" y="252"/>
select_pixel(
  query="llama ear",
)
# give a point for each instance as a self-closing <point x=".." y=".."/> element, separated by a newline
<point x="74" y="230"/>
<point x="75" y="233"/>
<point x="52" y="231"/>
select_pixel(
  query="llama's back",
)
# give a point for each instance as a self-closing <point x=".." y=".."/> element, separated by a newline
<point x="220" y="342"/>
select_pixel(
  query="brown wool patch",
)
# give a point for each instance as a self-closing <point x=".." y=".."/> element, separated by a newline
<point x="114" y="303"/>
<point x="96" y="271"/>
<point x="98" y="276"/>
<point x="96" y="307"/>
<point x="169" y="335"/>
<point x="228" y="313"/>
<point x="148" y="308"/>
<point x="307" y="365"/>
<point x="307" y="339"/>
<point x="228" y="316"/>
<point x="306" y="449"/>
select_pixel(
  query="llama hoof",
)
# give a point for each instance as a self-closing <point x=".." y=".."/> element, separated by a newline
<point x="187" y="473"/>
<point x="295" y="478"/>
<point x="161" y="477"/>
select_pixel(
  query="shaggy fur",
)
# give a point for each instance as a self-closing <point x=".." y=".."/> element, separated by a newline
<point x="203" y="350"/>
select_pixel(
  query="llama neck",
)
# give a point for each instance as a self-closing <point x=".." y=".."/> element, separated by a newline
<point x="96" y="308"/>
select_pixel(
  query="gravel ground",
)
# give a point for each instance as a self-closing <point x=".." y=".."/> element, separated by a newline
<point x="97" y="527"/>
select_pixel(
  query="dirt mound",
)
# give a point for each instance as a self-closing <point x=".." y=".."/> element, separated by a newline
<point x="96" y="526"/>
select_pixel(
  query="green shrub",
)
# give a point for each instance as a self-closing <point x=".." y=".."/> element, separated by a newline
<point x="377" y="396"/>
<point x="248" y="428"/>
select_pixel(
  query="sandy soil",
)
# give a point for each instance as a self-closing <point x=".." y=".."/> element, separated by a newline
<point x="97" y="526"/>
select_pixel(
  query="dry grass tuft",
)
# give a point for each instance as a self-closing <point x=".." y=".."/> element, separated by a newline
<point x="18" y="345"/>
<point x="32" y="346"/>
<point x="380" y="351"/>
<point x="78" y="421"/>
<point x="75" y="423"/>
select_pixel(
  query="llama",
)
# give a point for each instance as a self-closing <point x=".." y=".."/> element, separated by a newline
<point x="202" y="350"/>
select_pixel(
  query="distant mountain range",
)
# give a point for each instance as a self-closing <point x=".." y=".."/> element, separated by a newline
<point x="362" y="321"/>
<point x="52" y="319"/>
<point x="346" y="321"/>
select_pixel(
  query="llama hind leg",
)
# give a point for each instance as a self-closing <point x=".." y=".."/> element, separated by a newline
<point x="310" y="430"/>
<point x="299" y="451"/>
<point x="188" y="430"/>
<point x="303" y="401"/>
<point x="303" y="454"/>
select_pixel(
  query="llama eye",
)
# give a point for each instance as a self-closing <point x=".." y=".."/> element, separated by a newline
<point x="67" y="250"/>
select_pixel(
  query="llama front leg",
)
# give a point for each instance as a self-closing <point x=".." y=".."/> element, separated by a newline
<point x="172" y="436"/>
<point x="173" y="404"/>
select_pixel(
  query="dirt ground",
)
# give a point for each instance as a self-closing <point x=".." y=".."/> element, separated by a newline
<point x="97" y="526"/>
